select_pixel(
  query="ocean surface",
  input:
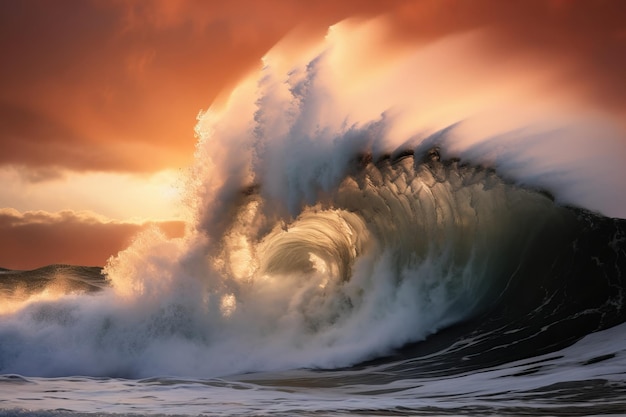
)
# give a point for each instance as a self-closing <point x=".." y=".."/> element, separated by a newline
<point x="356" y="245"/>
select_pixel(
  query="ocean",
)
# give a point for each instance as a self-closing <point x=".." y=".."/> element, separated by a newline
<point x="355" y="246"/>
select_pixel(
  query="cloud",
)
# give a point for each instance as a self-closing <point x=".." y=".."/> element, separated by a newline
<point x="116" y="85"/>
<point x="48" y="147"/>
<point x="38" y="238"/>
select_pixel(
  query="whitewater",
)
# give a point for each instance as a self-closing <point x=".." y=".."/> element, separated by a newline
<point x="423" y="229"/>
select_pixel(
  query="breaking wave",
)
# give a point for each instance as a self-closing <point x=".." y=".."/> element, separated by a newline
<point x="344" y="210"/>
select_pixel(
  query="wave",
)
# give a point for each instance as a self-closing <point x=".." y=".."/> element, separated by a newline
<point x="344" y="212"/>
<point x="404" y="247"/>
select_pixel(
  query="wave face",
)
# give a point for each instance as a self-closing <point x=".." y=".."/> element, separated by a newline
<point x="344" y="211"/>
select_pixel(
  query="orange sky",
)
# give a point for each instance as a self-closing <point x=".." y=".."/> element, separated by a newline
<point x="101" y="93"/>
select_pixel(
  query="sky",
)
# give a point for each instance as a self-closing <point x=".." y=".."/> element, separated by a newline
<point x="99" y="98"/>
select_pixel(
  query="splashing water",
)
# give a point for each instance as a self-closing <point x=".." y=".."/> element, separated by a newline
<point x="346" y="202"/>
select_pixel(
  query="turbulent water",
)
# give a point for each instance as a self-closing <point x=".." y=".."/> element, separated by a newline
<point x="347" y="257"/>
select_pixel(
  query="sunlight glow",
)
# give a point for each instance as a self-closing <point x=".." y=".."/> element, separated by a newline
<point x="113" y="195"/>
